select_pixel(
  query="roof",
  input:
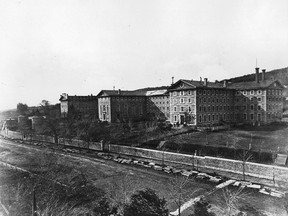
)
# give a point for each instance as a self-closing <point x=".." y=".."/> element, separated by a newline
<point x="198" y="84"/>
<point x="139" y="92"/>
<point x="156" y="92"/>
<point x="254" y="84"/>
<point x="120" y="93"/>
<point x="240" y="85"/>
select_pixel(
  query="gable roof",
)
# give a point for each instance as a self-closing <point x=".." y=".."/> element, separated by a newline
<point x="120" y="93"/>
<point x="197" y="84"/>
<point x="156" y="92"/>
<point x="254" y="84"/>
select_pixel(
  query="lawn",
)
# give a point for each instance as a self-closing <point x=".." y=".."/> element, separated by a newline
<point x="269" y="138"/>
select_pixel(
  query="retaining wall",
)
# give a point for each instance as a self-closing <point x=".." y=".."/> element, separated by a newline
<point x="268" y="174"/>
<point x="272" y="175"/>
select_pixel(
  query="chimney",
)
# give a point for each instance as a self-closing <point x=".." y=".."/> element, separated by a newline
<point x="225" y="83"/>
<point x="263" y="74"/>
<point x="257" y="75"/>
<point x="119" y="91"/>
<point x="172" y="80"/>
<point x="113" y="88"/>
<point x="205" y="81"/>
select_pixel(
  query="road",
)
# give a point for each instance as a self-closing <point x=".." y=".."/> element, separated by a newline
<point x="102" y="172"/>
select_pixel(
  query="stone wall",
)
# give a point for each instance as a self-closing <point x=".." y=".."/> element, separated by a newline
<point x="271" y="175"/>
<point x="266" y="174"/>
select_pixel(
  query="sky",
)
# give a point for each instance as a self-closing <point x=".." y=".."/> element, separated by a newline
<point x="79" y="47"/>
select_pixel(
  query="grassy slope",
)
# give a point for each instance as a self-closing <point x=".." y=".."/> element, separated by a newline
<point x="264" y="138"/>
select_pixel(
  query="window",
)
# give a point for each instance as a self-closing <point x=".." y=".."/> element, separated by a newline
<point x="182" y="109"/>
<point x="204" y="92"/>
<point x="245" y="92"/>
<point x="200" y="108"/>
<point x="181" y="100"/>
<point x="209" y="118"/>
<point x="259" y="117"/>
<point x="175" y="109"/>
<point x="245" y="116"/>
<point x="182" y="85"/>
<point x="200" y="118"/>
<point x="252" y="107"/>
<point x="245" y="99"/>
<point x="244" y="107"/>
<point x="259" y="107"/>
<point x="252" y="92"/>
<point x="204" y="120"/>
<point x="175" y="118"/>
<point x="175" y="93"/>
<point x="259" y="92"/>
<point x="213" y="117"/>
<point x="251" y="116"/>
<point x="189" y="92"/>
<point x="189" y="109"/>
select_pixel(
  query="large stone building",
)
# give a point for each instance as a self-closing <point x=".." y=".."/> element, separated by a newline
<point x="84" y="105"/>
<point x="200" y="103"/>
<point x="204" y="103"/>
<point x="119" y="106"/>
<point x="260" y="101"/>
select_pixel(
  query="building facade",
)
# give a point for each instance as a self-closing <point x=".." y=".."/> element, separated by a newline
<point x="158" y="104"/>
<point x="204" y="103"/>
<point x="121" y="106"/>
<point x="84" y="105"/>
<point x="200" y="102"/>
<point x="190" y="102"/>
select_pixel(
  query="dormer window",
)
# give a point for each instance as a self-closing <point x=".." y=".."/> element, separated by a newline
<point x="182" y="85"/>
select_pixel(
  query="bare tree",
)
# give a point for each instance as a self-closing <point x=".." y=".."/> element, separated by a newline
<point x="119" y="192"/>
<point x="229" y="202"/>
<point x="179" y="192"/>
<point x="245" y="156"/>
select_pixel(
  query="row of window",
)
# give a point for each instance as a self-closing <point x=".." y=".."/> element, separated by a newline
<point x="176" y="93"/>
<point x="251" y="92"/>
<point x="214" y="92"/>
<point x="183" y="100"/>
<point x="274" y="92"/>
<point x="279" y="99"/>
<point x="214" y="100"/>
<point x="185" y="109"/>
<point x="215" y="108"/>
<point x="215" y="117"/>
<point x="245" y="99"/>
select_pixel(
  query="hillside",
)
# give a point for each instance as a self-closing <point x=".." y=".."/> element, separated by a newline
<point x="278" y="74"/>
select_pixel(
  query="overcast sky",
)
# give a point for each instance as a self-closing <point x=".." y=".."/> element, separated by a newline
<point x="80" y="47"/>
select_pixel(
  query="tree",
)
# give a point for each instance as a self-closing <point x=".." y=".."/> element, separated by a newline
<point x="52" y="124"/>
<point x="201" y="208"/>
<point x="230" y="201"/>
<point x="245" y="156"/>
<point x="22" y="108"/>
<point x="178" y="191"/>
<point x="146" y="203"/>
<point x="119" y="192"/>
